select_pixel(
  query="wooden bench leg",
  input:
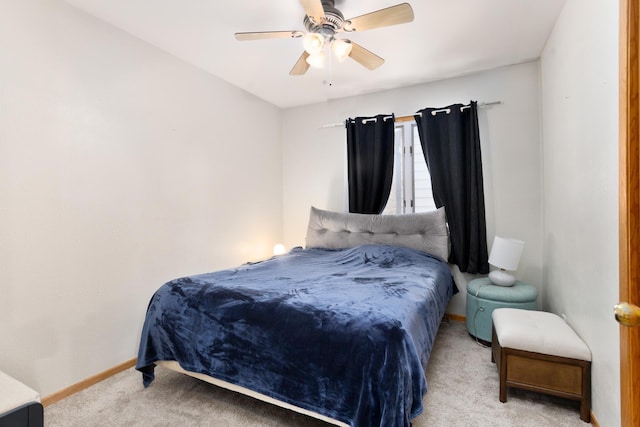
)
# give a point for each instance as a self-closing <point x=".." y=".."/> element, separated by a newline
<point x="503" y="375"/>
<point x="498" y="356"/>
<point x="585" y="412"/>
<point x="585" y="402"/>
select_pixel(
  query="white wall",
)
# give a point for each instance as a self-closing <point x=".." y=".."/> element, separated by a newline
<point x="315" y="159"/>
<point x="579" y="73"/>
<point x="121" y="167"/>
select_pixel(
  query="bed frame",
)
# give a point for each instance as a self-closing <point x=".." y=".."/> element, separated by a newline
<point x="174" y="366"/>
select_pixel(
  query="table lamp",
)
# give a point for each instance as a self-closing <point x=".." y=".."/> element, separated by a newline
<point x="505" y="254"/>
<point x="279" y="249"/>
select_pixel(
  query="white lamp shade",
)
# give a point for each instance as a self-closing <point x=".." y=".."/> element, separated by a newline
<point x="505" y="253"/>
<point x="279" y="249"/>
<point x="316" y="60"/>
<point x="313" y="43"/>
<point x="341" y="48"/>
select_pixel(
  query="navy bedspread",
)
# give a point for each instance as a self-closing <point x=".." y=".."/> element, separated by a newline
<point x="344" y="333"/>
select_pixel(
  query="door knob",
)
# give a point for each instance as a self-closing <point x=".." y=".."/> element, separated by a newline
<point x="627" y="314"/>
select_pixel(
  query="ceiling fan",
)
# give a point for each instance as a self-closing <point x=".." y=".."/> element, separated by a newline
<point x="324" y="22"/>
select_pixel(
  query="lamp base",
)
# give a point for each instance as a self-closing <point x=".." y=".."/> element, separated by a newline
<point x="501" y="278"/>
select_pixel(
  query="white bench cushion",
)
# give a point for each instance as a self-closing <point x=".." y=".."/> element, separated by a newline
<point x="538" y="331"/>
<point x="14" y="394"/>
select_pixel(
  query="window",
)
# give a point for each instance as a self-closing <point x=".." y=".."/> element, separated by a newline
<point x="411" y="186"/>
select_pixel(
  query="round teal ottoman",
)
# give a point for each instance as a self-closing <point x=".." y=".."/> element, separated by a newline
<point x="483" y="297"/>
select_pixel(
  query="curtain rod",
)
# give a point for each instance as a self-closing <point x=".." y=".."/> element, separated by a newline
<point x="410" y="117"/>
<point x="464" y="107"/>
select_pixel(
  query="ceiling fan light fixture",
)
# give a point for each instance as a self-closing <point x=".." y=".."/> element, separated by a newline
<point x="341" y="48"/>
<point x="313" y="43"/>
<point x="322" y="22"/>
<point x="316" y="60"/>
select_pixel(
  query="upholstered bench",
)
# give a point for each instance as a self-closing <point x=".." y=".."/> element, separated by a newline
<point x="538" y="351"/>
<point x="19" y="405"/>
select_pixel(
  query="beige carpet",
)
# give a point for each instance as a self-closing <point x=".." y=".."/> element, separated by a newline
<point x="463" y="391"/>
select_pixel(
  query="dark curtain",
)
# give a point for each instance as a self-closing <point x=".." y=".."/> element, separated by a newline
<point x="451" y="143"/>
<point x="370" y="162"/>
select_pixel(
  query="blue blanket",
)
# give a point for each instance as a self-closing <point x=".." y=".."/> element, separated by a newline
<point x="344" y="333"/>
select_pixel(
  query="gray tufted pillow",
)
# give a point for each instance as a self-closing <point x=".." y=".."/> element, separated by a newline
<point x="426" y="231"/>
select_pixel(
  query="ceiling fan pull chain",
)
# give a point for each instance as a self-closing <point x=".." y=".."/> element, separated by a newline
<point x="328" y="72"/>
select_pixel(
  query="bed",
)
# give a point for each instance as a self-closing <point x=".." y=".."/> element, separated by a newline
<point x="340" y="330"/>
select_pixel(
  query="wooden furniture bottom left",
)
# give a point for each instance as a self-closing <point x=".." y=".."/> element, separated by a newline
<point x="19" y="405"/>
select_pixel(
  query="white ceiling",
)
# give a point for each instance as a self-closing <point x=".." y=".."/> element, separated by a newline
<point x="447" y="38"/>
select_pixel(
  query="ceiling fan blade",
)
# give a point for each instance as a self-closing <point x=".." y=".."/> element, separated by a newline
<point x="365" y="57"/>
<point x="301" y="66"/>
<point x="398" y="14"/>
<point x="314" y="10"/>
<point x="268" y="35"/>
